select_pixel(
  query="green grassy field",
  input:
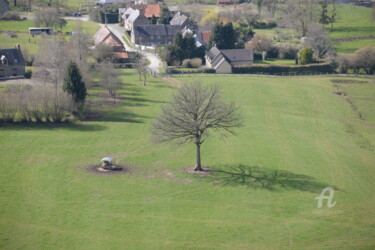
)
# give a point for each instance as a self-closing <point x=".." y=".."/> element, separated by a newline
<point x="275" y="61"/>
<point x="352" y="46"/>
<point x="353" y="21"/>
<point x="50" y="201"/>
<point x="21" y="28"/>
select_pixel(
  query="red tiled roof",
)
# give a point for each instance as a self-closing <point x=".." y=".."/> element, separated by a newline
<point x="206" y="36"/>
<point x="121" y="55"/>
<point x="152" y="10"/>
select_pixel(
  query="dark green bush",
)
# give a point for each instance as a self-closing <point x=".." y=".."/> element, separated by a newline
<point x="265" y="24"/>
<point x="28" y="74"/>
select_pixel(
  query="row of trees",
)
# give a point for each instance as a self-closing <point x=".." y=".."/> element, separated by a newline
<point x="35" y="104"/>
<point x="361" y="61"/>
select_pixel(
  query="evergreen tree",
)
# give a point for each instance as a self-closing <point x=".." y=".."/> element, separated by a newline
<point x="324" y="18"/>
<point x="179" y="47"/>
<point x="154" y="20"/>
<point x="229" y="36"/>
<point x="223" y="36"/>
<point x="73" y="83"/>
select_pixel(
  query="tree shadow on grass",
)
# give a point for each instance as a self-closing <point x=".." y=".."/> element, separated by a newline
<point x="365" y="30"/>
<point x="274" y="180"/>
<point x="117" y="116"/>
<point x="50" y="126"/>
<point x="137" y="101"/>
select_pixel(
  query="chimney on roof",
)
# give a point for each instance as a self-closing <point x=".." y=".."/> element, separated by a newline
<point x="18" y="47"/>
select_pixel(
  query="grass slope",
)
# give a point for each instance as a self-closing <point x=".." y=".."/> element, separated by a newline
<point x="50" y="201"/>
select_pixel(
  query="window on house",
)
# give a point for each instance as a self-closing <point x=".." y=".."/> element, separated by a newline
<point x="1" y="73"/>
<point x="14" y="72"/>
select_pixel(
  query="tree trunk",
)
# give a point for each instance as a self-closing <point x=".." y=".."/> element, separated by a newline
<point x="198" y="167"/>
<point x="14" y="2"/>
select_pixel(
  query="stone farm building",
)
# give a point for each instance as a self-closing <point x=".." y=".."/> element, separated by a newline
<point x="12" y="63"/>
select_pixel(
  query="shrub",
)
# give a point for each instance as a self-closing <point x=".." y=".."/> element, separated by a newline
<point x="306" y="55"/>
<point x="192" y="63"/>
<point x="288" y="52"/>
<point x="11" y="16"/>
<point x="273" y="52"/>
<point x="28" y="74"/>
<point x="265" y="24"/>
<point x="362" y="61"/>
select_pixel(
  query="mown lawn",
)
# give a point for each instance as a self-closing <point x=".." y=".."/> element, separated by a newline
<point x="275" y="61"/>
<point x="50" y="201"/>
<point x="353" y="46"/>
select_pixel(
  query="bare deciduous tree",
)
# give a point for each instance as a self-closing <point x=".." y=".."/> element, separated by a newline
<point x="260" y="43"/>
<point x="110" y="79"/>
<point x="194" y="111"/>
<point x="78" y="50"/>
<point x="271" y="6"/>
<point x="103" y="52"/>
<point x="25" y="103"/>
<point x="47" y="18"/>
<point x="141" y="67"/>
<point x="300" y="14"/>
<point x="51" y="61"/>
<point x="319" y="41"/>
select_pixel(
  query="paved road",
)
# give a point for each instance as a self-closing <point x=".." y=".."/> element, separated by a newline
<point x="82" y="18"/>
<point x="155" y="62"/>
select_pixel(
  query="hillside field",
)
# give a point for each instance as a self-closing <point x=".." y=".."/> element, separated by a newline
<point x="21" y="28"/>
<point x="298" y="125"/>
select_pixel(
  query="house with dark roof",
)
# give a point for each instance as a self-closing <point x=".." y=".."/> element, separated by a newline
<point x="183" y="21"/>
<point x="222" y="61"/>
<point x="106" y="37"/>
<point x="4" y="7"/>
<point x="150" y="35"/>
<point x="12" y="63"/>
<point x="133" y="18"/>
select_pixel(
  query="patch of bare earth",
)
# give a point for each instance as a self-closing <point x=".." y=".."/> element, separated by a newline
<point x="206" y="171"/>
<point x="116" y="169"/>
